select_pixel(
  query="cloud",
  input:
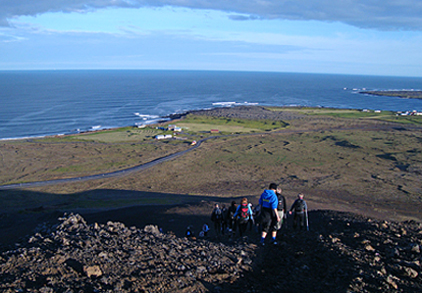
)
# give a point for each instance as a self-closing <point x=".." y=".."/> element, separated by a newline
<point x="374" y="14"/>
<point x="8" y="38"/>
<point x="243" y="17"/>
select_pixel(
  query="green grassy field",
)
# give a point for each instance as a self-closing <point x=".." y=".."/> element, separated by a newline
<point x="196" y="123"/>
<point x="354" y="114"/>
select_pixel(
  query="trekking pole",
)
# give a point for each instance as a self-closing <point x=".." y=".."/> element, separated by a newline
<point x="307" y="221"/>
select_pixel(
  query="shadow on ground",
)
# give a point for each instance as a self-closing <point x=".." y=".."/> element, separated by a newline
<point x="338" y="254"/>
<point x="22" y="211"/>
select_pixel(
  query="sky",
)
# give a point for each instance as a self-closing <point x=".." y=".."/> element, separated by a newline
<point x="365" y="37"/>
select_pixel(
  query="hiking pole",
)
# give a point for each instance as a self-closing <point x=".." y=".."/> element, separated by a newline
<point x="307" y="221"/>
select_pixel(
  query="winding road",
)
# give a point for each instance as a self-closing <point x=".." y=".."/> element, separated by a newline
<point x="104" y="175"/>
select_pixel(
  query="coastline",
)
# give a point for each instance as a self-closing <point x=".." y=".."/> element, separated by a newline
<point x="226" y="111"/>
<point x="161" y="119"/>
<point x="72" y="133"/>
<point x="156" y="121"/>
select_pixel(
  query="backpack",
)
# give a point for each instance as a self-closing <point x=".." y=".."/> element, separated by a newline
<point x="218" y="216"/>
<point x="224" y="213"/>
<point x="300" y="206"/>
<point x="244" y="213"/>
<point x="280" y="205"/>
<point x="230" y="212"/>
<point x="257" y="213"/>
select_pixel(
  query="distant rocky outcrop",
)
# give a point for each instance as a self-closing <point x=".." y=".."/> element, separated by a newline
<point x="410" y="94"/>
<point x="342" y="252"/>
<point x="243" y="112"/>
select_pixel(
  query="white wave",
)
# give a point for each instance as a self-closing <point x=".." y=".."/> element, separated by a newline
<point x="224" y="103"/>
<point x="147" y="116"/>
<point x="233" y="104"/>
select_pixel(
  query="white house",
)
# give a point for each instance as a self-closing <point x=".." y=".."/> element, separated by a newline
<point x="162" y="136"/>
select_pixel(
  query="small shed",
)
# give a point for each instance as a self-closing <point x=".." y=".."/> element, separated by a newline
<point x="215" y="131"/>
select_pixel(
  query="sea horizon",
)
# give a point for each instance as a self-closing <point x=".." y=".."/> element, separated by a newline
<point x="208" y="70"/>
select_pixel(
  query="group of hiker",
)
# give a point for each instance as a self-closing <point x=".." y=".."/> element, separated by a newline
<point x="267" y="217"/>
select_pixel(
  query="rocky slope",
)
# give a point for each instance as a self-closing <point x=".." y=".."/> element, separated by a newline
<point x="341" y="253"/>
<point x="76" y="257"/>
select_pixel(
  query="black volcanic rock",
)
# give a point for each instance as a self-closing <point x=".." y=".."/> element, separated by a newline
<point x="342" y="252"/>
<point x="77" y="257"/>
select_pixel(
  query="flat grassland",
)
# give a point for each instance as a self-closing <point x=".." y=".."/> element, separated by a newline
<point x="347" y="160"/>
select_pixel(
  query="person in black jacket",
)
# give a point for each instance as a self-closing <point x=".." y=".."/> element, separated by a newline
<point x="300" y="212"/>
<point x="230" y="217"/>
<point x="281" y="208"/>
<point x="217" y="218"/>
<point x="224" y="222"/>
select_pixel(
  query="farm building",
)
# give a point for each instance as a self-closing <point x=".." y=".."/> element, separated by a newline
<point x="175" y="128"/>
<point x="162" y="136"/>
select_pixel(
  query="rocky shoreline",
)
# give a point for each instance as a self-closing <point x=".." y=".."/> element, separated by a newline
<point x="242" y="112"/>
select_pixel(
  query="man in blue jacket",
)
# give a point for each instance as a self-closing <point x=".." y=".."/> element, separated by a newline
<point x="269" y="214"/>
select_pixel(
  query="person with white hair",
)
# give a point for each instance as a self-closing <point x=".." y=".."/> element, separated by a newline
<point x="300" y="210"/>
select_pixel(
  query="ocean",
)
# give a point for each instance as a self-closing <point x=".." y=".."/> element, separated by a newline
<point x="42" y="103"/>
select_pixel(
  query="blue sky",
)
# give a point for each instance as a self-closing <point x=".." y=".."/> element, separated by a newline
<point x="370" y="37"/>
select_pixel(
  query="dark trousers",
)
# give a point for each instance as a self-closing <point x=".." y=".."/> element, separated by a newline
<point x="242" y="228"/>
<point x="217" y="227"/>
<point x="224" y="226"/>
<point x="299" y="221"/>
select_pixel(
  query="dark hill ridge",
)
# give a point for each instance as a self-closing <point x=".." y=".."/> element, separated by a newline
<point x="342" y="252"/>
